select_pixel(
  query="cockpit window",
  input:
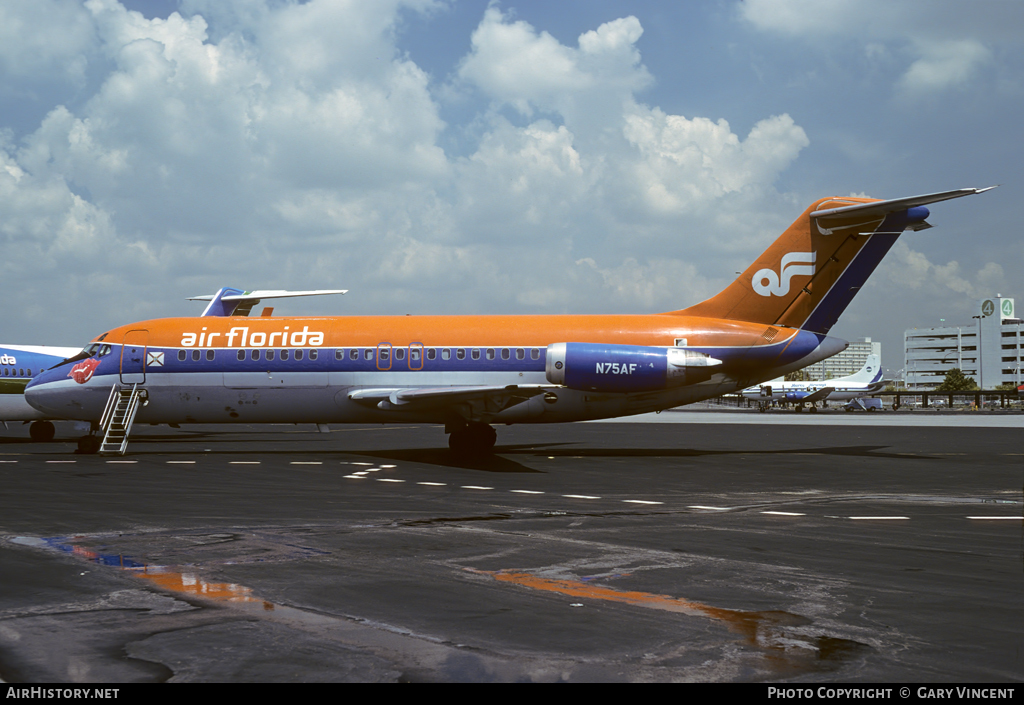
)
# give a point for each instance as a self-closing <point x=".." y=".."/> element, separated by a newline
<point x="105" y="350"/>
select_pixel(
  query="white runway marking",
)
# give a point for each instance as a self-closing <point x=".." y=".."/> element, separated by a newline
<point x="999" y="518"/>
<point x="432" y="484"/>
<point x="355" y="477"/>
<point x="527" y="491"/>
<point x="124" y="462"/>
<point x="305" y="462"/>
<point x="641" y="501"/>
<point x="786" y="514"/>
<point x="388" y="479"/>
<point x="877" y="518"/>
<point x="243" y="462"/>
<point x="181" y="462"/>
<point x="476" y="487"/>
<point x="580" y="496"/>
<point x="49" y="461"/>
<point x="701" y="506"/>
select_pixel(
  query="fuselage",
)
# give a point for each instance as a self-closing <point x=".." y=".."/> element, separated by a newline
<point x="327" y="369"/>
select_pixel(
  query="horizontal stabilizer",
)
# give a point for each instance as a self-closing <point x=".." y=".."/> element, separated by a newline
<point x="880" y="209"/>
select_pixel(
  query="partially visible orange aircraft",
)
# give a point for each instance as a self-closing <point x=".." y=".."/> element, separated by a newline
<point x="469" y="372"/>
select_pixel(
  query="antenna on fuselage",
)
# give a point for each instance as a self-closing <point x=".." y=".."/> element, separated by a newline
<point x="235" y="302"/>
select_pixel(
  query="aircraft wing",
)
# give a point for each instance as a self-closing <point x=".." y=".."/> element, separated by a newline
<point x="819" y="395"/>
<point x="493" y="398"/>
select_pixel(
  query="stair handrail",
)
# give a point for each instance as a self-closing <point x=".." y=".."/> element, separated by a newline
<point x="108" y="411"/>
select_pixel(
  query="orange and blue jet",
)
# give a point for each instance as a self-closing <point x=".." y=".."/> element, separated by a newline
<point x="472" y="372"/>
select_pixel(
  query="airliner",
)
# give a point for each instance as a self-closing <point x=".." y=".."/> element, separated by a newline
<point x="470" y="373"/>
<point x="18" y="365"/>
<point x="862" y="383"/>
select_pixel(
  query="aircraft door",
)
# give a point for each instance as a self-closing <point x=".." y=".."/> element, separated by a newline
<point x="133" y="357"/>
<point x="766" y="390"/>
<point x="384" y="356"/>
<point x="416" y="356"/>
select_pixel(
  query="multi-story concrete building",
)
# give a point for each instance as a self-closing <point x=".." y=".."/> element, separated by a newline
<point x="845" y="363"/>
<point x="988" y="349"/>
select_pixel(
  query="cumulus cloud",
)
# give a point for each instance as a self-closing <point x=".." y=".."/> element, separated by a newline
<point x="295" y="145"/>
<point x="945" y="43"/>
<point x="945" y="65"/>
<point x="908" y="270"/>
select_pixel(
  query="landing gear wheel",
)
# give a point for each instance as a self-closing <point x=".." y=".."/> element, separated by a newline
<point x="473" y="439"/>
<point x="41" y="431"/>
<point x="812" y="410"/>
<point x="88" y="445"/>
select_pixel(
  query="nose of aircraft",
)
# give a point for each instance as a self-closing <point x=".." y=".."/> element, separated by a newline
<point x="59" y="395"/>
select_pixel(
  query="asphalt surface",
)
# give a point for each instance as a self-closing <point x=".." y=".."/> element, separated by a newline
<point x="687" y="551"/>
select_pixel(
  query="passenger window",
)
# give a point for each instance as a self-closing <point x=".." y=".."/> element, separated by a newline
<point x="313" y="354"/>
<point x="476" y="353"/>
<point x="368" y="354"/>
<point x="21" y="372"/>
<point x="461" y="353"/>
<point x="255" y="355"/>
<point x="490" y="353"/>
<point x="505" y="354"/>
<point x="270" y="355"/>
<point x="210" y="354"/>
<point x="414" y="355"/>
<point x="431" y="353"/>
<point x="399" y="353"/>
<point x="339" y="354"/>
<point x="298" y="354"/>
<point x="241" y="354"/>
<point x="182" y="355"/>
<point x="446" y="354"/>
<point x="535" y="354"/>
<point x="520" y="354"/>
<point x="284" y="354"/>
<point x="195" y="355"/>
<point x="384" y="354"/>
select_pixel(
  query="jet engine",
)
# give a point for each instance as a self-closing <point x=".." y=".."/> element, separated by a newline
<point x="600" y="367"/>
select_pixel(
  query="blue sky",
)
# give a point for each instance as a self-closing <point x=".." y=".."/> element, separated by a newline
<point x="475" y="157"/>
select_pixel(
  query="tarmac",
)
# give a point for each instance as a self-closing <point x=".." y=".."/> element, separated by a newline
<point x="690" y="546"/>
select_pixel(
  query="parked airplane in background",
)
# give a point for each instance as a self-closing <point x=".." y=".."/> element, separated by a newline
<point x="862" y="383"/>
<point x="18" y="365"/>
<point x="469" y="372"/>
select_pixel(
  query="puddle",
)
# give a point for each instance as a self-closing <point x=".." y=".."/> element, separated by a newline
<point x="774" y="633"/>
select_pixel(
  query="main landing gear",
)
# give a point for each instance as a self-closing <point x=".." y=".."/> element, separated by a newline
<point x="472" y="439"/>
<point x="41" y="431"/>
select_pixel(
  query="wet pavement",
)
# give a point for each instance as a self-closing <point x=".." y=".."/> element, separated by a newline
<point x="735" y="551"/>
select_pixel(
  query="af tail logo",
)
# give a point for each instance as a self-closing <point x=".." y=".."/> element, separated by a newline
<point x="767" y="283"/>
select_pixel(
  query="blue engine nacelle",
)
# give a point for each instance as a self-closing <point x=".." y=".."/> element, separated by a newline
<point x="796" y="396"/>
<point x="601" y="367"/>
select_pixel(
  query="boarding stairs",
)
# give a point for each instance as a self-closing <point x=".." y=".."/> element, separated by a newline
<point x="118" y="416"/>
